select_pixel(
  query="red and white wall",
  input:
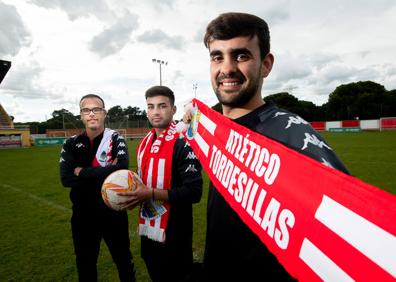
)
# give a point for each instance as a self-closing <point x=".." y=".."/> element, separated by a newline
<point x="372" y="124"/>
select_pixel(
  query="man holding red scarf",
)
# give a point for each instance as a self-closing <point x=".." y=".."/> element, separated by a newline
<point x="172" y="182"/>
<point x="240" y="59"/>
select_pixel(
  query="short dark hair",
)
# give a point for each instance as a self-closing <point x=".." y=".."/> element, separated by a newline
<point x="160" y="90"/>
<point x="229" y="25"/>
<point x="92" y="96"/>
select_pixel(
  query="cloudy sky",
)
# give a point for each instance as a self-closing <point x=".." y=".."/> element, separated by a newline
<point x="61" y="50"/>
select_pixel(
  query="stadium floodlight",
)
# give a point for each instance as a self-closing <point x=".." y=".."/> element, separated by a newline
<point x="160" y="62"/>
<point x="195" y="86"/>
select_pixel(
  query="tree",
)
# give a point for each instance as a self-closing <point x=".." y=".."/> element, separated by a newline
<point x="134" y="113"/>
<point x="37" y="127"/>
<point x="307" y="110"/>
<point x="388" y="107"/>
<point x="128" y="117"/>
<point x="63" y="119"/>
<point x="115" y="114"/>
<point x="363" y="99"/>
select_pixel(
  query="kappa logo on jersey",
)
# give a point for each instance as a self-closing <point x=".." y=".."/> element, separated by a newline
<point x="295" y="120"/>
<point x="80" y="145"/>
<point x="191" y="168"/>
<point x="121" y="152"/>
<point x="325" y="162"/>
<point x="120" y="137"/>
<point x="61" y="159"/>
<point x="121" y="144"/>
<point x="191" y="156"/>
<point x="279" y="114"/>
<point x="314" y="141"/>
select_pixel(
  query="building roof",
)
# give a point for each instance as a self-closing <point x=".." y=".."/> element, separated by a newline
<point x="5" y="120"/>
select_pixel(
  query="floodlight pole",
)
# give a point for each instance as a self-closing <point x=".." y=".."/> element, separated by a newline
<point x="160" y="62"/>
<point x="195" y="86"/>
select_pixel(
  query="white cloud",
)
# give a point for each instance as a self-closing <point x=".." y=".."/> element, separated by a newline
<point x="114" y="38"/>
<point x="159" y="37"/>
<point x="13" y="33"/>
<point x="78" y="9"/>
<point x="61" y="50"/>
<point x="24" y="82"/>
<point x="288" y="67"/>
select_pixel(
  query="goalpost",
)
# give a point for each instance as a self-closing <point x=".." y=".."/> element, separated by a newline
<point x="58" y="133"/>
<point x="388" y="123"/>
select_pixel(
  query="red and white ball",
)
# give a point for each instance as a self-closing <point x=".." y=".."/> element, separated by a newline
<point x="119" y="181"/>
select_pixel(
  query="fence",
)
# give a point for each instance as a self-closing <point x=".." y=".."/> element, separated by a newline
<point x="388" y="123"/>
<point x="128" y="133"/>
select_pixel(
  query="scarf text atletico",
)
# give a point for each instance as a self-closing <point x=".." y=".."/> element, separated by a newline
<point x="320" y="223"/>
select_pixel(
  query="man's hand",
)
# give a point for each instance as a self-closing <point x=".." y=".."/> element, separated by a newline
<point x="183" y="125"/>
<point x="187" y="117"/>
<point x="77" y="170"/>
<point x="131" y="199"/>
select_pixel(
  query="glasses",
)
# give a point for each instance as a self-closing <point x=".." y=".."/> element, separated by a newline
<point x="97" y="110"/>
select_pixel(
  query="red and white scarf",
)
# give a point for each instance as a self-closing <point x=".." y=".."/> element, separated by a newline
<point x="155" y="169"/>
<point x="320" y="223"/>
<point x="103" y="156"/>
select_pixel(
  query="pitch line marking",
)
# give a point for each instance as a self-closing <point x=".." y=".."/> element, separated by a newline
<point x="32" y="196"/>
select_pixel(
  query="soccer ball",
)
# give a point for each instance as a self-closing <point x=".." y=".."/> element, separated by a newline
<point x="118" y="181"/>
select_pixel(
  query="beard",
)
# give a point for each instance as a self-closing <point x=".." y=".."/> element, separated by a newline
<point x="243" y="97"/>
<point x="164" y="123"/>
<point x="92" y="126"/>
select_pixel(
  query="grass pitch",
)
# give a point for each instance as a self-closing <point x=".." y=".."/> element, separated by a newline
<point x="369" y="156"/>
<point x="35" y="210"/>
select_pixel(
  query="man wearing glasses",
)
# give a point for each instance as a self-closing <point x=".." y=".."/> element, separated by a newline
<point x="86" y="160"/>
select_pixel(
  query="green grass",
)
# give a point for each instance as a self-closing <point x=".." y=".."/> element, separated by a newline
<point x="369" y="156"/>
<point x="35" y="238"/>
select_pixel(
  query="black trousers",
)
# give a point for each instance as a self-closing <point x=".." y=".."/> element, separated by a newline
<point x="167" y="263"/>
<point x="88" y="229"/>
